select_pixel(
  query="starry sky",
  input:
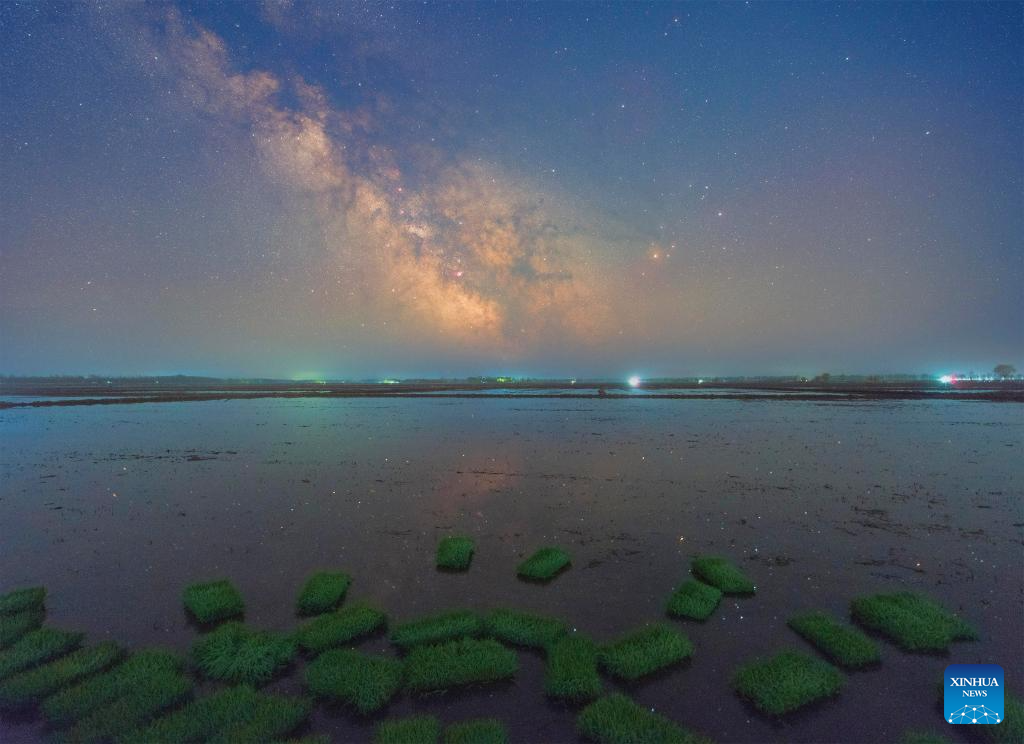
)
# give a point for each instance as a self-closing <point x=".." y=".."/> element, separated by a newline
<point x="356" y="189"/>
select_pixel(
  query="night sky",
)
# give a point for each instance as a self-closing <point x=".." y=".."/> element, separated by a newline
<point x="350" y="190"/>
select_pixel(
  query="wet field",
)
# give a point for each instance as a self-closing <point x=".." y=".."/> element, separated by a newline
<point x="116" y="508"/>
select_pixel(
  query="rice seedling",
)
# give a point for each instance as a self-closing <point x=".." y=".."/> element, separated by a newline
<point x="923" y="737"/>
<point x="445" y="626"/>
<point x="721" y="573"/>
<point x="455" y="553"/>
<point x="842" y="644"/>
<point x="30" y="687"/>
<point x="523" y="628"/>
<point x="571" y="670"/>
<point x="35" y="647"/>
<point x="311" y="739"/>
<point x="413" y="730"/>
<point x="476" y="731"/>
<point x="19" y="600"/>
<point x="234" y="715"/>
<point x="644" y="651"/>
<point x="544" y="565"/>
<point x="367" y="683"/>
<point x="694" y="600"/>
<point x="1011" y="730"/>
<point x="235" y="653"/>
<point x="339" y="627"/>
<point x="76" y="702"/>
<point x="213" y="601"/>
<point x="322" y="592"/>
<point x="616" y="719"/>
<point x="787" y="681"/>
<point x="17" y="624"/>
<point x="912" y="621"/>
<point x="456" y="663"/>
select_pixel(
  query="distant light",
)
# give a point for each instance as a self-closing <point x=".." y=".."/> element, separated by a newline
<point x="700" y="382"/>
<point x="634" y="381"/>
<point x="947" y="379"/>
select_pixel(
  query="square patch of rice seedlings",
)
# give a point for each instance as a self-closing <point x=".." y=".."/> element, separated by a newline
<point x="17" y="624"/>
<point x="235" y="653"/>
<point x="912" y="621"/>
<point x="413" y="730"/>
<point x="723" y="574"/>
<point x="476" y="731"/>
<point x="544" y="565"/>
<point x="19" y="600"/>
<point x="570" y="673"/>
<point x="844" y="645"/>
<point x="364" y="682"/>
<point x="616" y="719"/>
<point x="30" y="687"/>
<point x="524" y="628"/>
<point x="455" y="553"/>
<point x="645" y="651"/>
<point x="787" y="681"/>
<point x="339" y="627"/>
<point x="36" y="647"/>
<point x="213" y="601"/>
<point x="322" y="592"/>
<point x="694" y="600"/>
<point x="464" y="662"/>
<point x="444" y="626"/>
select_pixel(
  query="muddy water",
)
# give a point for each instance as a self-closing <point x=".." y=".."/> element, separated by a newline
<point x="116" y="508"/>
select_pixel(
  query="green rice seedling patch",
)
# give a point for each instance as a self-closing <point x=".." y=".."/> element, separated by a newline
<point x="413" y="730"/>
<point x="339" y="627"/>
<point x="524" y="628"/>
<point x="846" y="646"/>
<point x="912" y="621"/>
<point x="644" y="651"/>
<point x="322" y="592"/>
<point x="616" y="719"/>
<point x="464" y="662"/>
<point x="19" y="600"/>
<point x="73" y="703"/>
<point x="213" y="601"/>
<point x="30" y="687"/>
<point x="571" y="670"/>
<point x="36" y="647"/>
<point x="923" y="737"/>
<point x="694" y="600"/>
<point x="1011" y="730"/>
<point x="235" y="653"/>
<point x="445" y="626"/>
<point x="365" y="682"/>
<point x="455" y="553"/>
<point x="722" y="573"/>
<point x="311" y="739"/>
<point x="17" y="624"/>
<point x="476" y="731"/>
<point x="544" y="565"/>
<point x="787" y="681"/>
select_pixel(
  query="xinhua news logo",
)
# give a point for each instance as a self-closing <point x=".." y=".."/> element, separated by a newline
<point x="974" y="693"/>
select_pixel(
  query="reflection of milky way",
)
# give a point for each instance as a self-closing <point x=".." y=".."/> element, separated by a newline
<point x="472" y="256"/>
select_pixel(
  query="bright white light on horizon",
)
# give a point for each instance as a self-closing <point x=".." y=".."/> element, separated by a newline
<point x="634" y="381"/>
<point x="946" y="379"/>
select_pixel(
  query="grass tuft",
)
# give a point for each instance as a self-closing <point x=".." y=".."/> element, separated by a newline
<point x="914" y="622"/>
<point x="787" y="681"/>
<point x="19" y="600"/>
<point x="213" y="601"/>
<point x="235" y="653"/>
<point x="36" y="647"/>
<point x="365" y="682"/>
<point x="414" y="730"/>
<point x="721" y="573"/>
<point x="476" y="731"/>
<point x="694" y="600"/>
<point x="571" y="671"/>
<point x="523" y="628"/>
<point x="616" y="719"/>
<point x="644" y="651"/>
<point x="322" y="592"/>
<point x="544" y="565"/>
<point x="1011" y="730"/>
<point x="456" y="663"/>
<point x="844" y="645"/>
<point x="445" y="626"/>
<point x="923" y="737"/>
<point x="17" y="624"/>
<point x="237" y="715"/>
<point x="455" y="553"/>
<point x="339" y="627"/>
<point x="30" y="687"/>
